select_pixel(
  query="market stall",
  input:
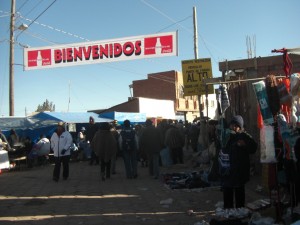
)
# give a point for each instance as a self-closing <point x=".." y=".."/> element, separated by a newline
<point x="279" y="124"/>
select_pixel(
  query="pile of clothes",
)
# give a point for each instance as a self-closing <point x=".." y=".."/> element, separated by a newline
<point x="184" y="180"/>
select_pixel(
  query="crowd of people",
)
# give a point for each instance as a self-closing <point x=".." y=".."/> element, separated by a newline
<point x="143" y="144"/>
<point x="102" y="143"/>
<point x="135" y="143"/>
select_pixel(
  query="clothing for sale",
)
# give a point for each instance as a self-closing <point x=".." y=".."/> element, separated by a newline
<point x="185" y="180"/>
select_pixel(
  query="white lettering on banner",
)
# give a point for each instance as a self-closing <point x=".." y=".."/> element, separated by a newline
<point x="139" y="47"/>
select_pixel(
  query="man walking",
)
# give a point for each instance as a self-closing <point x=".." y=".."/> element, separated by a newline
<point x="90" y="133"/>
<point x="151" y="142"/>
<point x="128" y="143"/>
<point x="61" y="142"/>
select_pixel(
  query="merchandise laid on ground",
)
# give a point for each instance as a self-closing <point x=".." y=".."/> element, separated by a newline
<point x="189" y="180"/>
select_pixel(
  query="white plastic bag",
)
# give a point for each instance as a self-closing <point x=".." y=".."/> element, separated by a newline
<point x="267" y="148"/>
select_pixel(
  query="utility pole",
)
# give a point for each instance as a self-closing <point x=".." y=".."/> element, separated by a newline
<point x="196" y="51"/>
<point x="11" y="60"/>
<point x="195" y="33"/>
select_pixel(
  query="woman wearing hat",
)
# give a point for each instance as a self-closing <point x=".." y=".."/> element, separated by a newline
<point x="239" y="145"/>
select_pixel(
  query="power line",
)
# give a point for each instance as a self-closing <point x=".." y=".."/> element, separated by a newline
<point x="165" y="15"/>
<point x="174" y="23"/>
<point x="22" y="5"/>
<point x="55" y="29"/>
<point x="40" y="37"/>
<point x="34" y="7"/>
<point x="38" y="16"/>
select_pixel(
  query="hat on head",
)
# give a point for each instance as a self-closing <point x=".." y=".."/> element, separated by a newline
<point x="148" y="122"/>
<point x="126" y="123"/>
<point x="61" y="124"/>
<point x="104" y="126"/>
<point x="238" y="120"/>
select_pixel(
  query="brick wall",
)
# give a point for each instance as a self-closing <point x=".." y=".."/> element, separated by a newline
<point x="157" y="86"/>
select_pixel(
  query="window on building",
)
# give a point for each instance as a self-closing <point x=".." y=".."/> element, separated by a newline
<point x="180" y="91"/>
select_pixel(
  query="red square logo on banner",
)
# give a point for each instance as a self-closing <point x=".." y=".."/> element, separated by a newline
<point x="158" y="45"/>
<point x="39" y="58"/>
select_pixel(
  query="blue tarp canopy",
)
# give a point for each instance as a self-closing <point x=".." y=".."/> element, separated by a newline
<point x="48" y="118"/>
<point x="6" y="123"/>
<point x="121" y="116"/>
<point x="68" y="117"/>
<point x="45" y="122"/>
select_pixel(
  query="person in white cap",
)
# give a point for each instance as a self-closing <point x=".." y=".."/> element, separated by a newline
<point x="61" y="142"/>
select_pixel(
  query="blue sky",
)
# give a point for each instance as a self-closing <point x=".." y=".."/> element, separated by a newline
<point x="223" y="26"/>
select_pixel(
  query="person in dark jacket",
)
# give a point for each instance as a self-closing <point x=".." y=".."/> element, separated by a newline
<point x="105" y="146"/>
<point x="239" y="145"/>
<point x="174" y="140"/>
<point x="90" y="133"/>
<point x="193" y="135"/>
<point x="128" y="145"/>
<point x="151" y="143"/>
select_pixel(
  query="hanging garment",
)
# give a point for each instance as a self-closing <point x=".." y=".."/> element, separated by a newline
<point x="267" y="147"/>
<point x="283" y="92"/>
<point x="273" y="95"/>
<point x="286" y="136"/>
<point x="224" y="98"/>
<point x="295" y="85"/>
<point x="262" y="98"/>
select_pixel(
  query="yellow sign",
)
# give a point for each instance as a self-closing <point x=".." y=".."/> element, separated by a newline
<point x="194" y="72"/>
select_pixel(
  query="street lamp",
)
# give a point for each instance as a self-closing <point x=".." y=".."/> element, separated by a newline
<point x="23" y="27"/>
<point x="12" y="57"/>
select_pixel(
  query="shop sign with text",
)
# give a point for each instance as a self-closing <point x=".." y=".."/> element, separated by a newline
<point x="194" y="72"/>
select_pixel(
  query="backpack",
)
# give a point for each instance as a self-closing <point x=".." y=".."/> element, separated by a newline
<point x="224" y="163"/>
<point x="128" y="140"/>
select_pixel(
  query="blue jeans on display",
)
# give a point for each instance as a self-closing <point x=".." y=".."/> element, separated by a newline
<point x="130" y="161"/>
